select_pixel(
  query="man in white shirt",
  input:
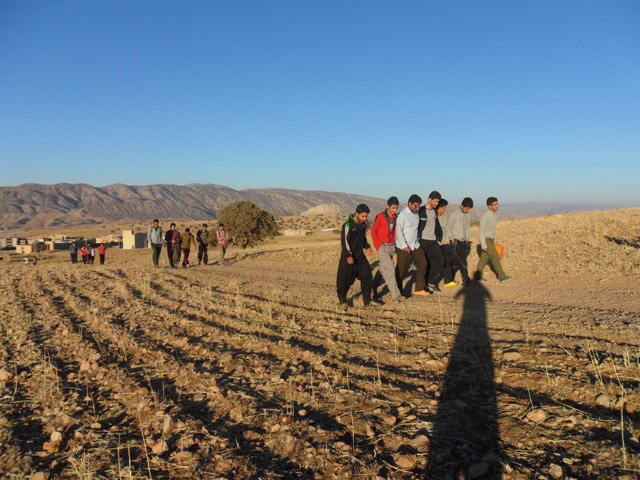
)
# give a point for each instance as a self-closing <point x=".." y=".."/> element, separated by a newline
<point x="408" y="246"/>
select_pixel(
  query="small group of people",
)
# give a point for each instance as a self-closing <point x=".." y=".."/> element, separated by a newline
<point x="87" y="253"/>
<point x="179" y="244"/>
<point x="420" y="237"/>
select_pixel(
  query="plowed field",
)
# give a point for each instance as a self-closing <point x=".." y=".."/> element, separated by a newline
<point x="252" y="371"/>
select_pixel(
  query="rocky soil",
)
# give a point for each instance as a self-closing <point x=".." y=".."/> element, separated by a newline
<point x="251" y="371"/>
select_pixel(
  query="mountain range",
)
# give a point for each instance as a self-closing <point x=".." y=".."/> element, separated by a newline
<point x="64" y="204"/>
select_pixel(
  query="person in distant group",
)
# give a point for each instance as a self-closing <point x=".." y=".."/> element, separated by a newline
<point x="155" y="237"/>
<point x="202" y="237"/>
<point x="408" y="246"/>
<point x="84" y="254"/>
<point x="187" y="240"/>
<point x="223" y="241"/>
<point x="457" y="237"/>
<point x="488" y="227"/>
<point x="174" y="241"/>
<point x="429" y="241"/>
<point x="353" y="262"/>
<point x="102" y="251"/>
<point x="92" y="254"/>
<point x="73" y="251"/>
<point x="383" y="234"/>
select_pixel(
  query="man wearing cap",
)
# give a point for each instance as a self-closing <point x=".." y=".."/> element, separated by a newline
<point x="353" y="261"/>
<point x="429" y="241"/>
<point x="383" y="235"/>
<point x="408" y="246"/>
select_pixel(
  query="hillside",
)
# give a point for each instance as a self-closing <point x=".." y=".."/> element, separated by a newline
<point x="64" y="204"/>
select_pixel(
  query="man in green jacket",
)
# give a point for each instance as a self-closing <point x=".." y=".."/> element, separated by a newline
<point x="202" y="237"/>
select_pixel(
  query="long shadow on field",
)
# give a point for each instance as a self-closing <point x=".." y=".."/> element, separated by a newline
<point x="465" y="427"/>
<point x="624" y="242"/>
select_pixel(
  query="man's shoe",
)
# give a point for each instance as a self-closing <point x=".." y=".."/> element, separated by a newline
<point x="504" y="278"/>
<point x="421" y="293"/>
<point x="434" y="288"/>
<point x="450" y="284"/>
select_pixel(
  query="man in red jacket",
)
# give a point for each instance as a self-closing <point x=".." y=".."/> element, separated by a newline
<point x="383" y="234"/>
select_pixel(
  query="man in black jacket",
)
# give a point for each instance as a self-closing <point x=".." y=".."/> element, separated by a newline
<point x="353" y="261"/>
<point x="429" y="241"/>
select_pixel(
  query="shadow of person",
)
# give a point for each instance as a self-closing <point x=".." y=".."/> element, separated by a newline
<point x="465" y="440"/>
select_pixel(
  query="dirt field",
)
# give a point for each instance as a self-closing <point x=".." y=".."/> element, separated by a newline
<point x="251" y="370"/>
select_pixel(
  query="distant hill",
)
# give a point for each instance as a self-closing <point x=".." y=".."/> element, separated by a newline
<point x="62" y="204"/>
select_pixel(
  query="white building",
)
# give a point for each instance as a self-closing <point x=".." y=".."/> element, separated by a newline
<point x="131" y="240"/>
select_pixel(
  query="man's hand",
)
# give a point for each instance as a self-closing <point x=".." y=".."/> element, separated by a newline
<point x="370" y="251"/>
<point x="349" y="260"/>
<point x="406" y="250"/>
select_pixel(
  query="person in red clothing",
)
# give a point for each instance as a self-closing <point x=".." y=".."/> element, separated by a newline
<point x="102" y="250"/>
<point x="383" y="235"/>
<point x="85" y="254"/>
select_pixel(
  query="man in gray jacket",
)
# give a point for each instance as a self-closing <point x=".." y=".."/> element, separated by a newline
<point x="488" y="224"/>
<point x="155" y="237"/>
<point x="457" y="236"/>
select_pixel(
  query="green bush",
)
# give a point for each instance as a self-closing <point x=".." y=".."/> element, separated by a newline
<point x="247" y="224"/>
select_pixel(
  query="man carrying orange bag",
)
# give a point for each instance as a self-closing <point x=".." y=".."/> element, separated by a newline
<point x="488" y="224"/>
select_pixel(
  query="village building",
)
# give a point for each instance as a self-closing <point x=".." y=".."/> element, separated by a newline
<point x="132" y="240"/>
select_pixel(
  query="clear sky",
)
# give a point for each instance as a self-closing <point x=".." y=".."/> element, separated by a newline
<point x="528" y="101"/>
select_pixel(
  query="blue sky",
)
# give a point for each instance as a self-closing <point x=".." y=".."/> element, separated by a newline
<point x="528" y="101"/>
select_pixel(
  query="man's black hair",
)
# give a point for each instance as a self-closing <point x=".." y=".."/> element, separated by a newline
<point x="393" y="201"/>
<point x="155" y="220"/>
<point x="205" y="225"/>
<point x="491" y="200"/>
<point x="415" y="199"/>
<point x="443" y="202"/>
<point x="362" y="208"/>
<point x="467" y="202"/>
<point x="173" y="225"/>
<point x="435" y="194"/>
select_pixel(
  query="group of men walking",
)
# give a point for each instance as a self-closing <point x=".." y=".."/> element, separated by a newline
<point x="179" y="244"/>
<point x="419" y="236"/>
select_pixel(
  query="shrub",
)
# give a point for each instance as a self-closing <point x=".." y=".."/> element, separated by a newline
<point x="247" y="224"/>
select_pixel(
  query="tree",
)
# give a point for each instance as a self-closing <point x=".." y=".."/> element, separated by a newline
<point x="247" y="224"/>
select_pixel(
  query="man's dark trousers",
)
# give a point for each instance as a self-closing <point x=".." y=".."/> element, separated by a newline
<point x="170" y="254"/>
<point x="456" y="255"/>
<point x="435" y="259"/>
<point x="203" y="255"/>
<point x="347" y="275"/>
